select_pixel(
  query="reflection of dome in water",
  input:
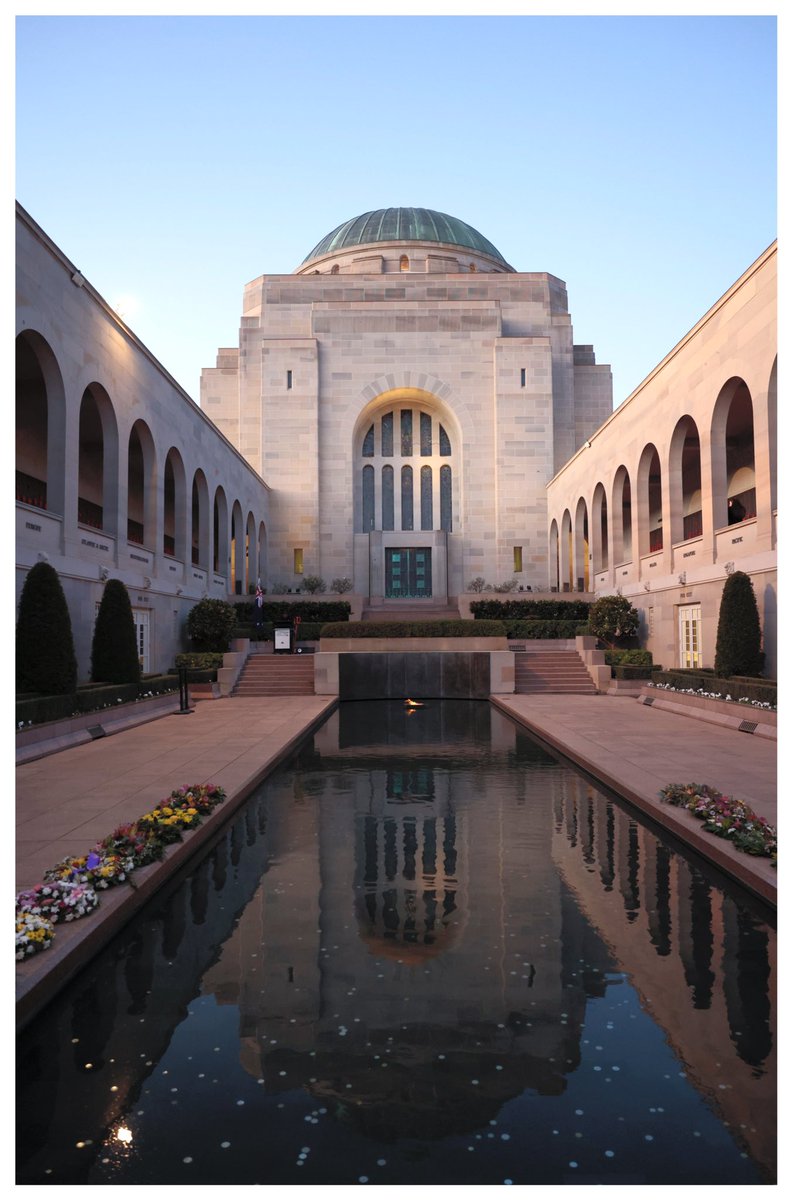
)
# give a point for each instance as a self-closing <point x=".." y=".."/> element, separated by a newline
<point x="407" y="884"/>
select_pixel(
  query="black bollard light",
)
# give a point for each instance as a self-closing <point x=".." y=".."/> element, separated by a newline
<point x="184" y="692"/>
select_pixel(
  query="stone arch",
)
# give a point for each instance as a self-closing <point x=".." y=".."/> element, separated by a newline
<point x="237" y="549"/>
<point x="684" y="476"/>
<point x="263" y="569"/>
<point x="599" y="530"/>
<point x="220" y="552"/>
<point x="580" y="572"/>
<point x="772" y="431"/>
<point x="621" y="504"/>
<point x="406" y="454"/>
<point x="199" y="522"/>
<point x="141" y="512"/>
<point x="251" y="556"/>
<point x="98" y="466"/>
<point x="566" y="552"/>
<point x="732" y="448"/>
<point x="40" y="425"/>
<point x="650" y="501"/>
<point x="174" y="521"/>
<point x="554" y="563"/>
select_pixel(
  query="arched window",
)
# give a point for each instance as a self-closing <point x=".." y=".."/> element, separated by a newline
<point x="404" y="263"/>
<point x="387" y="496"/>
<point x="199" y="524"/>
<point x="685" y="482"/>
<point x="368" y="498"/>
<point x="333" y="269"/>
<point x="237" y="548"/>
<point x="422" y="498"/>
<point x="446" y="500"/>
<point x="174" y="529"/>
<point x="427" y="521"/>
<point x="407" y="498"/>
<point x="554" y="557"/>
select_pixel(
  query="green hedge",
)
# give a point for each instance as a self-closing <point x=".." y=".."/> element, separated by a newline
<point x="196" y="675"/>
<point x="628" y="671"/>
<point x="526" y="610"/>
<point x="284" y="611"/>
<point x="307" y="631"/>
<point x="89" y="698"/>
<point x="414" y="629"/>
<point x="202" y="660"/>
<point x="44" y="708"/>
<point x="540" y="629"/>
<point x="628" y="658"/>
<point x="765" y="692"/>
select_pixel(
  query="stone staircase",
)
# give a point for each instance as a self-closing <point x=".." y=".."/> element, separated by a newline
<point x="276" y="675"/>
<point x="551" y="671"/>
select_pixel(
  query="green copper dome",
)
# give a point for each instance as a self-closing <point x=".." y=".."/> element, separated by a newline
<point x="403" y="225"/>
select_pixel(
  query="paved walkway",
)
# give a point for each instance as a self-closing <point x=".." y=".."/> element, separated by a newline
<point x="68" y="801"/>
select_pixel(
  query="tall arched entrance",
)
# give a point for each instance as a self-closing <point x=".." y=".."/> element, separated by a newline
<point x="406" y="500"/>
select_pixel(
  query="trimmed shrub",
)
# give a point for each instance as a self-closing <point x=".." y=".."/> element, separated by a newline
<point x="527" y="610"/>
<point x="199" y="661"/>
<point x="210" y="624"/>
<point x="44" y="708"/>
<point x="540" y="629"/>
<point x="283" y="612"/>
<point x="738" y="646"/>
<point x="626" y="658"/>
<point x="613" y="617"/>
<point x="413" y="629"/>
<point x="45" y="659"/>
<point x="114" y="653"/>
<point x="314" y="584"/>
<point x="737" y="689"/>
<point x="341" y="585"/>
<point x="107" y="696"/>
<point x="628" y="671"/>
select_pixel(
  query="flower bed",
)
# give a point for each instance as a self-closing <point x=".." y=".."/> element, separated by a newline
<point x="69" y="889"/>
<point x="725" y="817"/>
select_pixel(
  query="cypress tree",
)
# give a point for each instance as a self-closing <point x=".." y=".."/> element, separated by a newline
<point x="45" y="659"/>
<point x="114" y="654"/>
<point x="739" y="641"/>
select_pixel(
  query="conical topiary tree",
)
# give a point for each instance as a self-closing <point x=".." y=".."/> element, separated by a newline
<point x="738" y="647"/>
<point x="114" y="653"/>
<point x="45" y="659"/>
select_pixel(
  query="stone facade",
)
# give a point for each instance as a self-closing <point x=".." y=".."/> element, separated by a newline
<point x="118" y="472"/>
<point x="482" y="360"/>
<point x="677" y="489"/>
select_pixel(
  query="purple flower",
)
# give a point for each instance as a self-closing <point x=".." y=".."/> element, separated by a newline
<point x="92" y="861"/>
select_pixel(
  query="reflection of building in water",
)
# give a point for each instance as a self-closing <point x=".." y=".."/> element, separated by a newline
<point x="441" y="929"/>
<point x="702" y="966"/>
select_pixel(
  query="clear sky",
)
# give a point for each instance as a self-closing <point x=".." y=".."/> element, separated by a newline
<point x="173" y="159"/>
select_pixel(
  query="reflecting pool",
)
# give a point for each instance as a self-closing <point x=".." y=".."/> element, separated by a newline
<point x="424" y="952"/>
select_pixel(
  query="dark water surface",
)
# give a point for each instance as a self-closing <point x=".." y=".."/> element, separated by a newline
<point x="424" y="952"/>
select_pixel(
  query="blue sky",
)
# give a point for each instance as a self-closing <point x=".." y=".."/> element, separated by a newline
<point x="173" y="159"/>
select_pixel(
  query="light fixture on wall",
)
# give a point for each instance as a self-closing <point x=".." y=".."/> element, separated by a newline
<point x="587" y="445"/>
<point x="647" y="585"/>
<point x="103" y="573"/>
<point x="683" y="578"/>
<point x="728" y="568"/>
<point x="77" y="279"/>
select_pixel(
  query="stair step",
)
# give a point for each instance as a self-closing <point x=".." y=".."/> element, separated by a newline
<point x="276" y="675"/>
